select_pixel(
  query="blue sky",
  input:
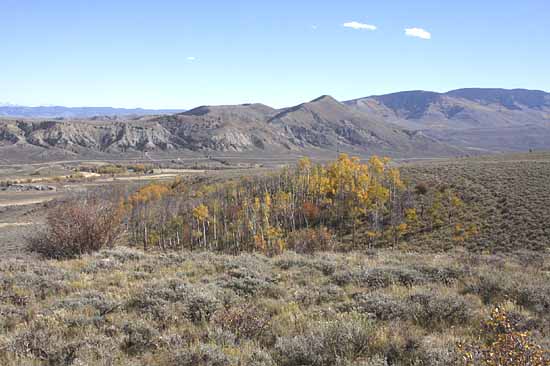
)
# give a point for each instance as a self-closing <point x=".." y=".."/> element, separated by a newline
<point x="168" y="54"/>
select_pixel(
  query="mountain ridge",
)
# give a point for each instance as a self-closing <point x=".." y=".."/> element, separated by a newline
<point x="18" y="111"/>
<point x="471" y="118"/>
<point x="405" y="124"/>
<point x="321" y="125"/>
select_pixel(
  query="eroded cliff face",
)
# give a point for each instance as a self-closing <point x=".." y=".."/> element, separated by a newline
<point x="322" y="124"/>
<point x="409" y="124"/>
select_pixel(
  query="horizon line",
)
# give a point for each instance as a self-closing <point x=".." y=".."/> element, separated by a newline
<point x="12" y="105"/>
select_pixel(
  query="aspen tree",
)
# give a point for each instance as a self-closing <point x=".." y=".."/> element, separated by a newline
<point x="201" y="215"/>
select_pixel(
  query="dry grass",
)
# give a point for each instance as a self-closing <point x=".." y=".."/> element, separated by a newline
<point x="411" y="305"/>
<point x="508" y="197"/>
<point x="127" y="307"/>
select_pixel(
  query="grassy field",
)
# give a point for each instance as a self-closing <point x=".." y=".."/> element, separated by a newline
<point x="127" y="307"/>
<point x="508" y="196"/>
<point x="426" y="301"/>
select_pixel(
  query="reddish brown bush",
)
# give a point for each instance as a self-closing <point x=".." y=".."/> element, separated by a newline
<point x="310" y="240"/>
<point x="78" y="226"/>
<point x="245" y="320"/>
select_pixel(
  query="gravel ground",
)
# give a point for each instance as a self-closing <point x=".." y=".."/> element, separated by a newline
<point x="16" y="223"/>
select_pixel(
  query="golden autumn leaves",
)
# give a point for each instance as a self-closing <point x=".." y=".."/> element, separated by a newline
<point x="506" y="346"/>
<point x="362" y="201"/>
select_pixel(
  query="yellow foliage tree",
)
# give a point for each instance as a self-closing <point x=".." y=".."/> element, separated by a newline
<point x="201" y="215"/>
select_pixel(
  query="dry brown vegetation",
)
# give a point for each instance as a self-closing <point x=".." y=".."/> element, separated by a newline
<point x="128" y="307"/>
<point x="79" y="226"/>
<point x="330" y="291"/>
<point x="508" y="197"/>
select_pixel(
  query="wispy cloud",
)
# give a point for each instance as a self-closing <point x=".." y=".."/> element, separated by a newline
<point x="357" y="25"/>
<point x="314" y="27"/>
<point x="191" y="58"/>
<point x="418" y="32"/>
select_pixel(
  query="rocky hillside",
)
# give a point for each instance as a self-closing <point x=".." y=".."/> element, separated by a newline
<point x="406" y="124"/>
<point x="327" y="123"/>
<point x="486" y="119"/>
<point x="323" y="124"/>
<point x="237" y="128"/>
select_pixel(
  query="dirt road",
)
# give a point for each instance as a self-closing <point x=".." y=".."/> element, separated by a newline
<point x="9" y="199"/>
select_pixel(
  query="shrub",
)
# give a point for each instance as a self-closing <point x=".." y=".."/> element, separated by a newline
<point x="431" y="310"/>
<point x="498" y="287"/>
<point x="201" y="306"/>
<point x="318" y="295"/>
<point x="384" y="276"/>
<point x="428" y="309"/>
<point x="79" y="226"/>
<point x="42" y="343"/>
<point x="139" y="338"/>
<point x="402" y="344"/>
<point x="421" y="189"/>
<point x="382" y="306"/>
<point x="38" y="280"/>
<point x="122" y="254"/>
<point x="245" y="320"/>
<point x="10" y="317"/>
<point x="535" y="297"/>
<point x="492" y="287"/>
<point x="202" y="355"/>
<point x="310" y="240"/>
<point x="245" y="284"/>
<point x="257" y="357"/>
<point x="505" y="346"/>
<point x="329" y="343"/>
<point x="193" y="303"/>
<point x="290" y="260"/>
<point x="247" y="275"/>
<point x="111" y="169"/>
<point x="102" y="304"/>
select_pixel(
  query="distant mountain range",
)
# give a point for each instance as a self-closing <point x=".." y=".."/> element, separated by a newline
<point x="475" y="119"/>
<point x="406" y="124"/>
<point x="10" y="110"/>
<point x="462" y="108"/>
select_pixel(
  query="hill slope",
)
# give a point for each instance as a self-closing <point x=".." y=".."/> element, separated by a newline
<point x="405" y="124"/>
<point x="320" y="125"/>
<point x="327" y="123"/>
<point x="491" y="119"/>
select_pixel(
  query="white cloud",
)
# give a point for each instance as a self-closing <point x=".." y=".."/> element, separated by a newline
<point x="357" y="25"/>
<point x="314" y="27"/>
<point x="418" y="32"/>
<point x="191" y="58"/>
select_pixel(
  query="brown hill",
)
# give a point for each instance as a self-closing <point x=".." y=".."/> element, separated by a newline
<point x="486" y="119"/>
<point x="323" y="124"/>
<point x="328" y="124"/>
<point x="459" y="109"/>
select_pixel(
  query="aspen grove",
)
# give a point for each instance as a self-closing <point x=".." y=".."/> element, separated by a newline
<point x="304" y="208"/>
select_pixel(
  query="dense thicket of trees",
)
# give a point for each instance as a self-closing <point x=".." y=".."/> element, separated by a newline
<point x="300" y="207"/>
